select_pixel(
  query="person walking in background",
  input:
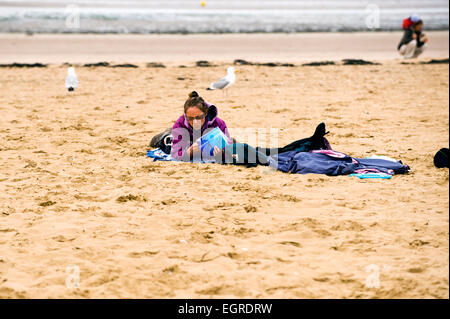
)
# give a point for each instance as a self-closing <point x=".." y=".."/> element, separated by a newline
<point x="413" y="42"/>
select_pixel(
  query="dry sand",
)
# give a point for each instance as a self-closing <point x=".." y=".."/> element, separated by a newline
<point x="77" y="189"/>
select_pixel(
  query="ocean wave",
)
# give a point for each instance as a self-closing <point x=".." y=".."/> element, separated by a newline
<point x="139" y="21"/>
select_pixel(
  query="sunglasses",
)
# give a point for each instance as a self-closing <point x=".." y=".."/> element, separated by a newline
<point x="190" y="118"/>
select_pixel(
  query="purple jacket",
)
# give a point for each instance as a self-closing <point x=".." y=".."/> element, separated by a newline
<point x="184" y="135"/>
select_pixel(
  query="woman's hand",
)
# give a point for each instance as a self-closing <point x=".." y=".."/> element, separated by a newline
<point x="216" y="151"/>
<point x="194" y="149"/>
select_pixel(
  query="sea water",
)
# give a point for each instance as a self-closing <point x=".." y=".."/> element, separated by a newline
<point x="217" y="16"/>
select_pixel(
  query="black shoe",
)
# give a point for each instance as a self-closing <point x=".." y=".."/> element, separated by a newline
<point x="318" y="142"/>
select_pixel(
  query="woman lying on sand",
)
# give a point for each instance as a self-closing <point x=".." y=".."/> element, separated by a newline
<point x="308" y="155"/>
<point x="200" y="117"/>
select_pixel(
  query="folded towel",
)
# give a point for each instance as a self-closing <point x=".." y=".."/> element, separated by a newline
<point x="372" y="175"/>
<point x="159" y="155"/>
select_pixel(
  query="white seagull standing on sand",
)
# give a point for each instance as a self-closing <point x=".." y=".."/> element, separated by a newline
<point x="225" y="82"/>
<point x="71" y="80"/>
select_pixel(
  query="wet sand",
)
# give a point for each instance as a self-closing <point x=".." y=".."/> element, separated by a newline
<point x="60" y="48"/>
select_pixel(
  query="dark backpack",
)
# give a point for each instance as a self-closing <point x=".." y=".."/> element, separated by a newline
<point x="441" y="158"/>
<point x="163" y="141"/>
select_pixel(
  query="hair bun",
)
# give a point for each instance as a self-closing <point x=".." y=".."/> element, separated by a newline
<point x="193" y="94"/>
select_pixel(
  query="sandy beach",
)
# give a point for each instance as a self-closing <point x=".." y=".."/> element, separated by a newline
<point x="77" y="193"/>
<point x="173" y="49"/>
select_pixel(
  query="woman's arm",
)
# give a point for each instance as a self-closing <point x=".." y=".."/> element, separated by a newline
<point x="181" y="144"/>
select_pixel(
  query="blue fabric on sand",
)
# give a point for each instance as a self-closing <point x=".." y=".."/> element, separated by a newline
<point x="333" y="163"/>
<point x="372" y="175"/>
<point x="318" y="163"/>
<point x="159" y="155"/>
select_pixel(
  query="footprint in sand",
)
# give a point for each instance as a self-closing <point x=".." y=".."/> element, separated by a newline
<point x="130" y="197"/>
<point x="202" y="237"/>
<point x="291" y="243"/>
<point x="171" y="269"/>
<point x="418" y="243"/>
<point x="141" y="254"/>
<point x="250" y="209"/>
<point x="416" y="270"/>
<point x="63" y="239"/>
<point x="221" y="206"/>
<point x="348" y="225"/>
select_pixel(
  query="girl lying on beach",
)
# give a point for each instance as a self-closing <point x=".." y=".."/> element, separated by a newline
<point x="308" y="155"/>
<point x="201" y="117"/>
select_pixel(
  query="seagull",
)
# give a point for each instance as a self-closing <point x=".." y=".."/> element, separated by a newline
<point x="71" y="80"/>
<point x="224" y="82"/>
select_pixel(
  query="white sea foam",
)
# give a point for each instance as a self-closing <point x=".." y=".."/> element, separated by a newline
<point x="175" y="16"/>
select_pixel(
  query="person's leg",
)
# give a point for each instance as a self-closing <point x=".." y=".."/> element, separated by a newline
<point x="402" y="50"/>
<point x="315" y="142"/>
<point x="407" y="50"/>
<point x="419" y="51"/>
<point x="242" y="154"/>
<point x="303" y="145"/>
